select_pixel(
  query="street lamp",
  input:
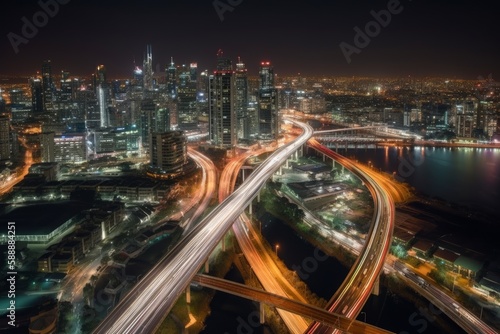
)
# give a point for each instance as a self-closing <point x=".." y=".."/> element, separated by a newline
<point x="276" y="248"/>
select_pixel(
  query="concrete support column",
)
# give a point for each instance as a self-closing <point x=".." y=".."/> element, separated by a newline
<point x="250" y="208"/>
<point x="207" y="266"/>
<point x="188" y="294"/>
<point x="223" y="243"/>
<point x="262" y="314"/>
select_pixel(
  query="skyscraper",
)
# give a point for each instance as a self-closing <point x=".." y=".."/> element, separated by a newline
<point x="47" y="87"/>
<point x="267" y="103"/>
<point x="222" y="105"/>
<point x="172" y="79"/>
<point x="168" y="152"/>
<point x="36" y="95"/>
<point x="187" y="108"/>
<point x="102" y="93"/>
<point x="148" y="68"/>
<point x="4" y="137"/>
<point x="241" y="103"/>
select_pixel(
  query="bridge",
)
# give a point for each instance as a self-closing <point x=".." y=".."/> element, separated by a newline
<point x="315" y="313"/>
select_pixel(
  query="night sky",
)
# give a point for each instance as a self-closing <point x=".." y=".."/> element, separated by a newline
<point x="454" y="39"/>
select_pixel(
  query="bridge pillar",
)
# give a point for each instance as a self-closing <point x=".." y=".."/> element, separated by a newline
<point x="286" y="164"/>
<point x="223" y="243"/>
<point x="188" y="294"/>
<point x="262" y="314"/>
<point x="376" y="286"/>
<point x="258" y="197"/>
<point x="207" y="266"/>
<point x="250" y="208"/>
<point x="243" y="174"/>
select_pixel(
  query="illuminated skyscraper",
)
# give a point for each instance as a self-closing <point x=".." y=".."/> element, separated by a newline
<point x="102" y="92"/>
<point x="168" y="152"/>
<point x="241" y="106"/>
<point x="172" y="79"/>
<point x="4" y="137"/>
<point x="36" y="95"/>
<point x="268" y="103"/>
<point x="187" y="108"/>
<point x="148" y="68"/>
<point x="102" y="98"/>
<point x="47" y="87"/>
<point x="223" y="131"/>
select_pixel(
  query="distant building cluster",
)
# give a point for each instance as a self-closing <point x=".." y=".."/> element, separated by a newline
<point x="67" y="119"/>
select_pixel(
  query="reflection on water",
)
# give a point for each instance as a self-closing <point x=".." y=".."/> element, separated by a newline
<point x="460" y="175"/>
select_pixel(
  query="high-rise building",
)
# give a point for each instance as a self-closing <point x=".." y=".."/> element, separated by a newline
<point x="4" y="137"/>
<point x="101" y="89"/>
<point x="168" y="152"/>
<point x="70" y="148"/>
<point x="172" y="79"/>
<point x="222" y="116"/>
<point x="241" y="100"/>
<point x="99" y="77"/>
<point x="148" y="68"/>
<point x="36" y="95"/>
<point x="153" y="119"/>
<point x="48" y="87"/>
<point x="138" y="78"/>
<point x="47" y="146"/>
<point x="267" y="103"/>
<point x="20" y="105"/>
<point x="266" y="75"/>
<point x="187" y="107"/>
<point x="102" y="98"/>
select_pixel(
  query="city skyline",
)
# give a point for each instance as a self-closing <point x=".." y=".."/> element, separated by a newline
<point x="418" y="39"/>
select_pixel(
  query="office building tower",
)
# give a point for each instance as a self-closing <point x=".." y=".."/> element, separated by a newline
<point x="193" y="69"/>
<point x="36" y="95"/>
<point x="267" y="103"/>
<point x="4" y="137"/>
<point x="99" y="77"/>
<point x="222" y="115"/>
<point x="172" y="79"/>
<point x="138" y="79"/>
<point x="102" y="98"/>
<point x="70" y="148"/>
<point x="146" y="124"/>
<point x="168" y="152"/>
<point x="47" y="146"/>
<point x="67" y="85"/>
<point x="47" y="87"/>
<point x="101" y="90"/>
<point x="266" y="75"/>
<point x="241" y="100"/>
<point x="20" y="105"/>
<point x="187" y="107"/>
<point x="148" y="68"/>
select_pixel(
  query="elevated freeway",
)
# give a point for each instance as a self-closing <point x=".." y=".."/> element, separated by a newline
<point x="146" y="305"/>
